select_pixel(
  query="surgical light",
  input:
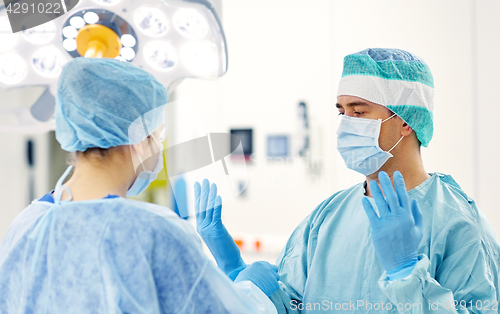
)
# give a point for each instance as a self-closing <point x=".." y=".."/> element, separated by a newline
<point x="48" y="61"/>
<point x="128" y="40"/>
<point x="69" y="44"/>
<point x="128" y="53"/>
<point x="41" y="34"/>
<point x="13" y="68"/>
<point x="91" y="17"/>
<point x="199" y="57"/>
<point x="77" y="22"/>
<point x="69" y="32"/>
<point x="190" y="23"/>
<point x="107" y="2"/>
<point x="151" y="21"/>
<point x="172" y="39"/>
<point x="160" y="55"/>
<point x="7" y="39"/>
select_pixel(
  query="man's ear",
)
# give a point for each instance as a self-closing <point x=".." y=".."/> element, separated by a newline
<point x="406" y="129"/>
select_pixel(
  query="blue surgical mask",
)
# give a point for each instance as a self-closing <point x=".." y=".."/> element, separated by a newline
<point x="145" y="177"/>
<point x="357" y="143"/>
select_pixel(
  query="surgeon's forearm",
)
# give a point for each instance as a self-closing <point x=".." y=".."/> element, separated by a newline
<point x="226" y="254"/>
<point x="283" y="303"/>
<point x="420" y="293"/>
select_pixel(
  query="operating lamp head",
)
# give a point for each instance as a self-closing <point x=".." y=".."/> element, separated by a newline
<point x="98" y="41"/>
<point x="170" y="39"/>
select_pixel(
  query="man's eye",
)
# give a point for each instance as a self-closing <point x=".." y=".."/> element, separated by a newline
<point x="341" y="113"/>
<point x="357" y="113"/>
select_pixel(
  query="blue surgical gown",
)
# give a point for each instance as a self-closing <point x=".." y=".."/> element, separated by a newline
<point x="113" y="256"/>
<point x="329" y="263"/>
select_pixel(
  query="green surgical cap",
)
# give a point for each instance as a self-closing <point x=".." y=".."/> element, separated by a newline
<point x="103" y="103"/>
<point x="396" y="79"/>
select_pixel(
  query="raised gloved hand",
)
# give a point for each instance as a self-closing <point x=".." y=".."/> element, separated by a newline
<point x="397" y="233"/>
<point x="263" y="274"/>
<point x="208" y="208"/>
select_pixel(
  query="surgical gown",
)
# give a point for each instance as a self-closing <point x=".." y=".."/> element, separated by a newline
<point x="113" y="256"/>
<point x="329" y="263"/>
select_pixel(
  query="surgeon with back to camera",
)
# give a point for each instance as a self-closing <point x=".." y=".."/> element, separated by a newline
<point x="387" y="245"/>
<point x="85" y="248"/>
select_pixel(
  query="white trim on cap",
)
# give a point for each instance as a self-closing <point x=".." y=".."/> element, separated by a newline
<point x="387" y="92"/>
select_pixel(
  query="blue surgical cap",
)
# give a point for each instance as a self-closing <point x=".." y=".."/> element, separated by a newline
<point x="99" y="99"/>
<point x="396" y="79"/>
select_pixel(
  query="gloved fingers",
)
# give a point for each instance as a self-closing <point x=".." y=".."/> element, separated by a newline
<point x="417" y="214"/>
<point x="268" y="267"/>
<point x="205" y="186"/>
<point x="370" y="212"/>
<point x="399" y="184"/>
<point x="197" y="196"/>
<point x="274" y="270"/>
<point x="218" y="209"/>
<point x="379" y="198"/>
<point x="390" y="194"/>
<point x="276" y="275"/>
<point x="211" y="202"/>
<point x="212" y="195"/>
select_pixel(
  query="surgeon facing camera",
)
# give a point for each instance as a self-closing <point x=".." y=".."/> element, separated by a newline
<point x="84" y="247"/>
<point x="404" y="236"/>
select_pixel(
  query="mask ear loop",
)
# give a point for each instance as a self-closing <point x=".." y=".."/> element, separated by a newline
<point x="399" y="139"/>
<point x="389" y="118"/>
<point x="396" y="144"/>
<point x="59" y="185"/>
<point x="142" y="161"/>
<point x="158" y="143"/>
<point x="159" y="148"/>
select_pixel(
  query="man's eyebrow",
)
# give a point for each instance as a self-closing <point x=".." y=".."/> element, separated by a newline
<point x="352" y="104"/>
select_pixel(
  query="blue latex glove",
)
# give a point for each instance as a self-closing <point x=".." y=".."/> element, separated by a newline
<point x="398" y="232"/>
<point x="208" y="208"/>
<point x="263" y="275"/>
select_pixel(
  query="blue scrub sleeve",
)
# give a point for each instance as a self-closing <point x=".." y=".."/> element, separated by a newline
<point x="477" y="293"/>
<point x="293" y="264"/>
<point x="114" y="256"/>
<point x="180" y="276"/>
<point x="292" y="268"/>
<point x="283" y="302"/>
<point x="458" y="263"/>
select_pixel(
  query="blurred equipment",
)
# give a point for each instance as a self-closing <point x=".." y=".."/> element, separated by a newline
<point x="303" y="130"/>
<point x="30" y="158"/>
<point x="278" y="146"/>
<point x="246" y="137"/>
<point x="172" y="40"/>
